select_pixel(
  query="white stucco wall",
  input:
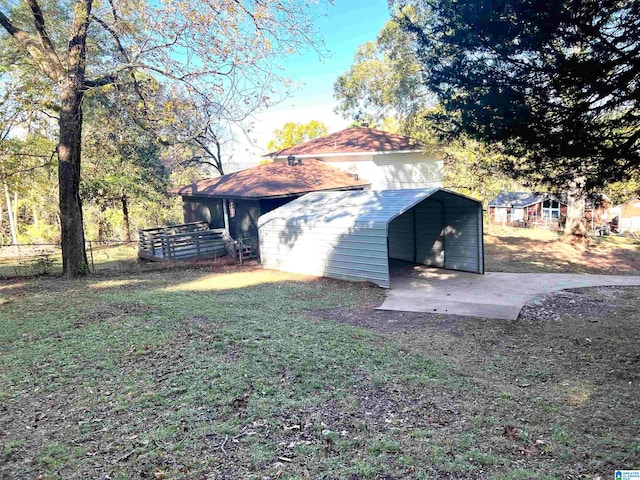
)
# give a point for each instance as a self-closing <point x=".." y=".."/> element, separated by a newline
<point x="393" y="171"/>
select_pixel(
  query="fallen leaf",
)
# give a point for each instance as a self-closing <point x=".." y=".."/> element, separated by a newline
<point x="511" y="432"/>
<point x="528" y="451"/>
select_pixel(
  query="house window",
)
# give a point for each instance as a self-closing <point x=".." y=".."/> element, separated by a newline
<point x="550" y="209"/>
<point x="232" y="208"/>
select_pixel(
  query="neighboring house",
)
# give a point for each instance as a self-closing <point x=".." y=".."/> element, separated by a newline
<point x="628" y="216"/>
<point x="388" y="160"/>
<point x="236" y="201"/>
<point x="522" y="208"/>
<point x="597" y="211"/>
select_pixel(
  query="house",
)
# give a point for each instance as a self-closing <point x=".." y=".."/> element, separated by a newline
<point x="362" y="235"/>
<point x="597" y="211"/>
<point x="523" y="208"/>
<point x="627" y="216"/>
<point x="388" y="160"/>
<point x="235" y="201"/>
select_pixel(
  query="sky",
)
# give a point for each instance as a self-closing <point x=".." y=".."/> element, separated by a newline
<point x="347" y="24"/>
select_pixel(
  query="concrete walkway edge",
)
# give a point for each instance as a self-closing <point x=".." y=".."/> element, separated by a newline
<point x="493" y="295"/>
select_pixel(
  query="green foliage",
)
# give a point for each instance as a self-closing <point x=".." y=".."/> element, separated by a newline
<point x="384" y="88"/>
<point x="122" y="168"/>
<point x="549" y="82"/>
<point x="384" y="81"/>
<point x="27" y="167"/>
<point x="293" y="133"/>
<point x="620" y="192"/>
<point x="473" y="169"/>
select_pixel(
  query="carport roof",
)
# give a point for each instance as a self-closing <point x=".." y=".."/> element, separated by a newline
<point x="374" y="209"/>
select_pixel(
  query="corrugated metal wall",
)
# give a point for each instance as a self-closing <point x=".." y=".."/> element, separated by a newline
<point x="353" y="236"/>
<point x="352" y="254"/>
<point x="463" y="238"/>
<point x="430" y="248"/>
<point x="440" y="231"/>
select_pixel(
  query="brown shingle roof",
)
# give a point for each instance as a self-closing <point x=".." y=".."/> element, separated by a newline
<point x="277" y="179"/>
<point x="352" y="140"/>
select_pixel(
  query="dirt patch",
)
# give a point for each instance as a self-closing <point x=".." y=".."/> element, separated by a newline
<point x="113" y="313"/>
<point x="598" y="303"/>
<point x="387" y="321"/>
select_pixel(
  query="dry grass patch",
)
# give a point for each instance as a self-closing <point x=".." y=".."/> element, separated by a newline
<point x="520" y="250"/>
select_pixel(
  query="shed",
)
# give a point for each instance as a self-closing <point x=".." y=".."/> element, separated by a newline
<point x="629" y="216"/>
<point x="354" y="235"/>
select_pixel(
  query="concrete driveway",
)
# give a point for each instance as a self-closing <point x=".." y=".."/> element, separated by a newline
<point x="416" y="288"/>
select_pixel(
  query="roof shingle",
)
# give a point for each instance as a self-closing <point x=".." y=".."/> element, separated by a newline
<point x="353" y="140"/>
<point x="523" y="199"/>
<point x="277" y="179"/>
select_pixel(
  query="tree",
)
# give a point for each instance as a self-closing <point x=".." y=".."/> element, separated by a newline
<point x="293" y="133"/>
<point x="26" y="155"/>
<point x="553" y="83"/>
<point x="122" y="163"/>
<point x="384" y="89"/>
<point x="217" y="50"/>
<point x="384" y="82"/>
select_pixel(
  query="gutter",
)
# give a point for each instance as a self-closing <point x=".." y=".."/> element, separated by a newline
<point x="265" y="197"/>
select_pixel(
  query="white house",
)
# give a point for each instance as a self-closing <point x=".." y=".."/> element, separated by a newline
<point x="388" y="160"/>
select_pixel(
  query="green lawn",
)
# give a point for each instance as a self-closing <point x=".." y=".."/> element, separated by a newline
<point x="196" y="374"/>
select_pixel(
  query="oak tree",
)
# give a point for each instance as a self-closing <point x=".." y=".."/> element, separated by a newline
<point x="215" y="50"/>
<point x="293" y="133"/>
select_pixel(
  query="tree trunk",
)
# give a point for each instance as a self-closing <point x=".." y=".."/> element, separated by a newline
<point x="15" y="210"/>
<point x="125" y="216"/>
<point x="102" y="222"/>
<point x="36" y="216"/>
<point x="72" y="88"/>
<point x="74" y="257"/>
<point x="575" y="229"/>
<point x="12" y="220"/>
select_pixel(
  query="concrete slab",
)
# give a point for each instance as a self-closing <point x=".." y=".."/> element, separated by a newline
<point x="417" y="288"/>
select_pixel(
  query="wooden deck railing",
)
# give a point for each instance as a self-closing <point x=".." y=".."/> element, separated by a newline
<point x="179" y="242"/>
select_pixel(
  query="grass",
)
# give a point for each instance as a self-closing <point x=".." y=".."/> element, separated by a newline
<point x="516" y="250"/>
<point x="25" y="261"/>
<point x="215" y="372"/>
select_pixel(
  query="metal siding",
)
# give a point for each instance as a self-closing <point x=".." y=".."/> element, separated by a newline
<point x="429" y="233"/>
<point x="462" y="239"/>
<point x="356" y="255"/>
<point x="344" y="234"/>
<point x="402" y="237"/>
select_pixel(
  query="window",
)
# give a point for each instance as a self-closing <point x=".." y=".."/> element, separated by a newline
<point x="550" y="209"/>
